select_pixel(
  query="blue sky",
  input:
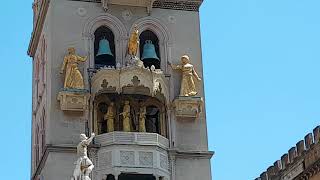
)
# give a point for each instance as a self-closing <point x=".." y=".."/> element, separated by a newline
<point x="261" y="64"/>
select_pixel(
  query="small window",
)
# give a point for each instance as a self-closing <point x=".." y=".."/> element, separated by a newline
<point x="104" y="47"/>
<point x="149" y="49"/>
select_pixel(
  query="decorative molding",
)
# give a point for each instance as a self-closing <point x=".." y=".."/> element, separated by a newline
<point x="191" y="154"/>
<point x="184" y="5"/>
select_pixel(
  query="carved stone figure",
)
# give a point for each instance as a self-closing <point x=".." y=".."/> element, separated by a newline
<point x="126" y="117"/>
<point x="142" y="119"/>
<point x="133" y="44"/>
<point x="109" y="117"/>
<point x="188" y="87"/>
<point x="73" y="77"/>
<point x="84" y="166"/>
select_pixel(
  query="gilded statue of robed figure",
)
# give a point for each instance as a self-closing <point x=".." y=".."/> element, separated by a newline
<point x="133" y="44"/>
<point x="73" y="77"/>
<point x="188" y="87"/>
<point x="109" y="117"/>
<point x="126" y="117"/>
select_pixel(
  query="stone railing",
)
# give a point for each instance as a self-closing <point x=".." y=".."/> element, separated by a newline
<point x="134" y="138"/>
<point x="297" y="161"/>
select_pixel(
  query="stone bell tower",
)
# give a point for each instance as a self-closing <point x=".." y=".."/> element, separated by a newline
<point x="128" y="73"/>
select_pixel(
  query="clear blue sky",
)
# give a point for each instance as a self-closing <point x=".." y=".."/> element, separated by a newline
<point x="261" y="64"/>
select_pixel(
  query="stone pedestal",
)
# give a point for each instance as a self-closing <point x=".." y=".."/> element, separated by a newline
<point x="188" y="107"/>
<point x="73" y="100"/>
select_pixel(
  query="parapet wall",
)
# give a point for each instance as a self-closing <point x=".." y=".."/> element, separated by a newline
<point x="301" y="161"/>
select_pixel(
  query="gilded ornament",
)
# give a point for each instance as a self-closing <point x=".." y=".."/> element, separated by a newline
<point x="126" y="117"/>
<point x="109" y="117"/>
<point x="73" y="77"/>
<point x="188" y="87"/>
<point x="133" y="44"/>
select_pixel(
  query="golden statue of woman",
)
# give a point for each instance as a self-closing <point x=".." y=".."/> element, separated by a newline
<point x="109" y="117"/>
<point x="73" y="78"/>
<point x="142" y="119"/>
<point x="188" y="87"/>
<point x="133" y="44"/>
<point x="126" y="117"/>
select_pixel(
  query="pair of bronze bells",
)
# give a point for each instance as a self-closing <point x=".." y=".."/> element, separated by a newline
<point x="149" y="50"/>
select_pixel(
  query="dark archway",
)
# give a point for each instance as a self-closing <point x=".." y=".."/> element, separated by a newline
<point x="145" y="37"/>
<point x="108" y="45"/>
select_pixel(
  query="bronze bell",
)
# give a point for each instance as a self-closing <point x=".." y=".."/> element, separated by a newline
<point x="104" y="48"/>
<point x="149" y="55"/>
<point x="104" y="56"/>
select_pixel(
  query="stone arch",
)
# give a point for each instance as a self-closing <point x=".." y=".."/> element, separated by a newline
<point x="163" y="34"/>
<point x="115" y="25"/>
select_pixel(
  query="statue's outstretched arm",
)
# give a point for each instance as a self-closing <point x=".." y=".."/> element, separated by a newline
<point x="175" y="66"/>
<point x="89" y="140"/>
<point x="82" y="59"/>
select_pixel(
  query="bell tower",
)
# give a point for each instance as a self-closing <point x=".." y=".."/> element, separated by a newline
<point x="127" y="76"/>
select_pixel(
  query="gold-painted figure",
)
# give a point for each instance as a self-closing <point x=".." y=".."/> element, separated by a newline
<point x="73" y="78"/>
<point x="142" y="119"/>
<point x="133" y="44"/>
<point x="126" y="117"/>
<point x="188" y="87"/>
<point x="109" y="117"/>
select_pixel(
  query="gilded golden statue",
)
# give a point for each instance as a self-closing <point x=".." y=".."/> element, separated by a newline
<point x="133" y="44"/>
<point x="109" y="117"/>
<point x="188" y="87"/>
<point x="73" y="78"/>
<point x="142" y="119"/>
<point x="126" y="117"/>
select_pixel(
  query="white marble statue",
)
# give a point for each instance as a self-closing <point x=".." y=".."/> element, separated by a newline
<point x="84" y="166"/>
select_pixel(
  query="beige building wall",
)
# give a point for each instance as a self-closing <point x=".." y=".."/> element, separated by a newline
<point x="71" y="24"/>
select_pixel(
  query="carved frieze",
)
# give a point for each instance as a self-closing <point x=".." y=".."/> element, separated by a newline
<point x="188" y="107"/>
<point x="130" y="80"/>
<point x="137" y="3"/>
<point x="73" y="101"/>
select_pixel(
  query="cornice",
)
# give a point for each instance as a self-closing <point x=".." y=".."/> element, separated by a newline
<point x="191" y="154"/>
<point x="38" y="28"/>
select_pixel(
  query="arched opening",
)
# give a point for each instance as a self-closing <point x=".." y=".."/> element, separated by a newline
<point x="110" y="177"/>
<point x="104" y="47"/>
<point x="129" y="113"/>
<point x="153" y="119"/>
<point x="149" y="49"/>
